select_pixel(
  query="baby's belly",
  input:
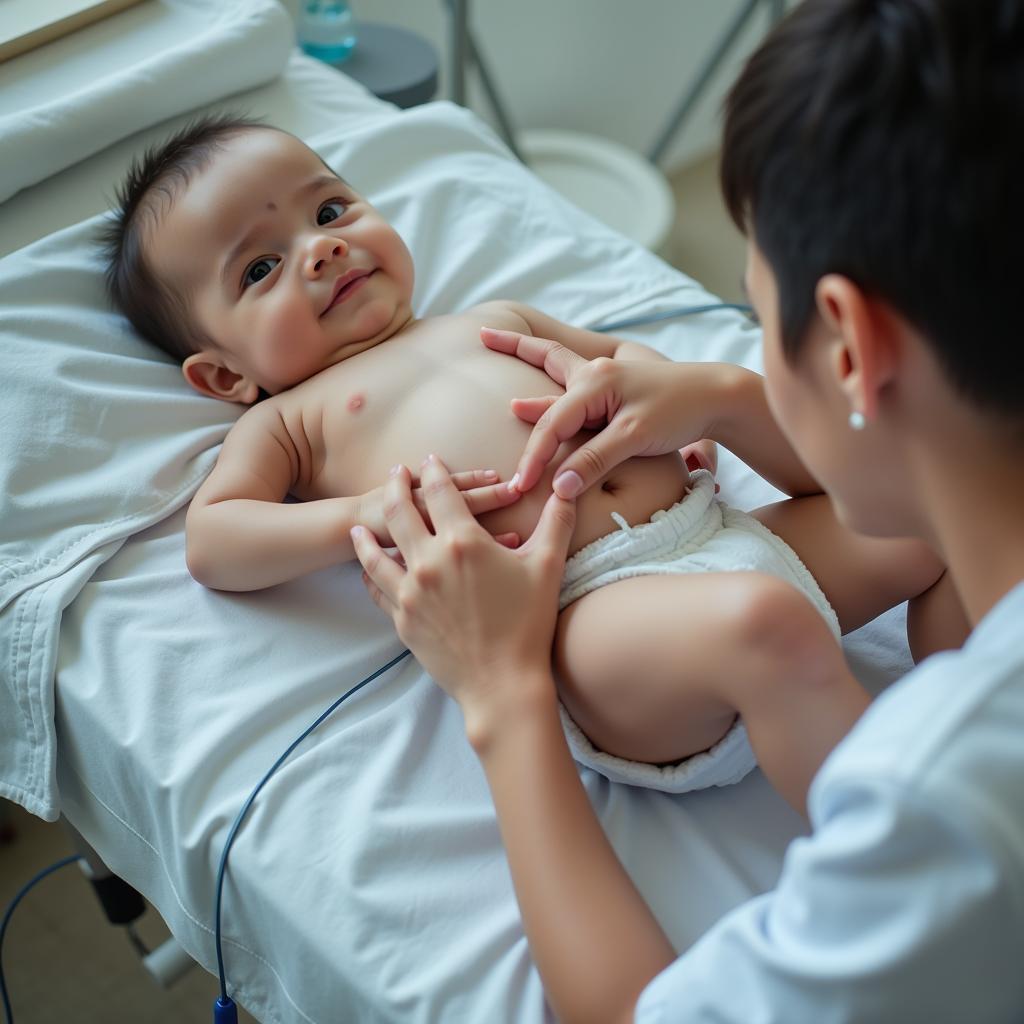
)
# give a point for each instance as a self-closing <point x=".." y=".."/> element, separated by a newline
<point x="635" y="489"/>
<point x="396" y="405"/>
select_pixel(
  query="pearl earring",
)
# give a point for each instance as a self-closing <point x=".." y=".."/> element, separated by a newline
<point x="857" y="421"/>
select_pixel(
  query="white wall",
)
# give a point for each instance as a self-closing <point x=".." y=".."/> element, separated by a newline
<point x="611" y="67"/>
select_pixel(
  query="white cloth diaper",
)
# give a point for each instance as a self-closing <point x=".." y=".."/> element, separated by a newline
<point x="698" y="534"/>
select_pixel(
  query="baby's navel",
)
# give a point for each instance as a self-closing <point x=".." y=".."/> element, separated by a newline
<point x="356" y="402"/>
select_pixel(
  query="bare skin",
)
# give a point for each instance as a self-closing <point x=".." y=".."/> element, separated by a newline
<point x="595" y="942"/>
<point x="307" y="291"/>
<point x="338" y="433"/>
<point x="357" y="384"/>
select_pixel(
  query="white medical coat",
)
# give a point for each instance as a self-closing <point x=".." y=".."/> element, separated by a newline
<point x="906" y="903"/>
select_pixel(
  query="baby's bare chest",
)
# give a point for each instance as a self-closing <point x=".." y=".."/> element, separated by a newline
<point x="433" y="388"/>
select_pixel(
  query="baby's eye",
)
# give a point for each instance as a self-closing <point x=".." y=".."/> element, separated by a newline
<point x="258" y="269"/>
<point x="330" y="211"/>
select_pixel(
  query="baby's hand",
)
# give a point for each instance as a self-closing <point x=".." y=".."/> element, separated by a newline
<point x="481" y="489"/>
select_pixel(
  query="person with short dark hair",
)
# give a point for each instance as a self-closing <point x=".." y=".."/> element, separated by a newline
<point x="872" y="154"/>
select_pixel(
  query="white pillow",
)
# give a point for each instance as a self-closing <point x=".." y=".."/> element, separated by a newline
<point x="77" y="95"/>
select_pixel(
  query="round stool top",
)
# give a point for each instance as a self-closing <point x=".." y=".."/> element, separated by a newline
<point x="393" y="63"/>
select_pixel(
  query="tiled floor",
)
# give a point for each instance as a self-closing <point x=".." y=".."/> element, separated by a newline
<point x="64" y="964"/>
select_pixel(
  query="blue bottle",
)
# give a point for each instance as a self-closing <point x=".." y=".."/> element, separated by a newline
<point x="326" y="30"/>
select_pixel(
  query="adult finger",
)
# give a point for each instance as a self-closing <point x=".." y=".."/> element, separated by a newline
<point x="554" y="530"/>
<point x="592" y="401"/>
<point x="383" y="576"/>
<point x="445" y="505"/>
<point x="487" y="499"/>
<point x="592" y="460"/>
<point x="474" y="478"/>
<point x="529" y="410"/>
<point x="557" y="361"/>
<point x="478" y="500"/>
<point x="377" y="597"/>
<point x="404" y="523"/>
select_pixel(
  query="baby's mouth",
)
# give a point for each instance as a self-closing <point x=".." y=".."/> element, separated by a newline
<point x="346" y="285"/>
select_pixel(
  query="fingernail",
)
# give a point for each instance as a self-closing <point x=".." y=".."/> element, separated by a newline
<point x="356" y="532"/>
<point x="394" y="470"/>
<point x="568" y="484"/>
<point x="513" y="484"/>
<point x="491" y="474"/>
<point x="430" y="458"/>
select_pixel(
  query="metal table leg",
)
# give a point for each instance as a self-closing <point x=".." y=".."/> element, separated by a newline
<point x="708" y="68"/>
<point x="462" y="45"/>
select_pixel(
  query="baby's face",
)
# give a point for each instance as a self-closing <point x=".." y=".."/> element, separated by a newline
<point x="285" y="267"/>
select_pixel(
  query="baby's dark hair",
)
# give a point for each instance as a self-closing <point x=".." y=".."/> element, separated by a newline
<point x="156" y="310"/>
<point x="883" y="140"/>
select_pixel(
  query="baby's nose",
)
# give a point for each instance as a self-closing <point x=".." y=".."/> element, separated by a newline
<point x="323" y="251"/>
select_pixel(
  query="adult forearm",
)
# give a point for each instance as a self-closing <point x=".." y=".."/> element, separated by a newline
<point x="576" y="899"/>
<point x="242" y="544"/>
<point x="744" y="424"/>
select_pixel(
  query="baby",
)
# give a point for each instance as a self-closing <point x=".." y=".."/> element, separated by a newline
<point x="242" y="254"/>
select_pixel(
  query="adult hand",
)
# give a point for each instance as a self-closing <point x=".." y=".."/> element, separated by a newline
<point x="480" y="488"/>
<point x="649" y="408"/>
<point x="480" y="617"/>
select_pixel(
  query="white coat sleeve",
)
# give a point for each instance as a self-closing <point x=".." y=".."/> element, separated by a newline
<point x="898" y="908"/>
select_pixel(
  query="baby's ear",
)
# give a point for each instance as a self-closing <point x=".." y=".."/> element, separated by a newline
<point x="209" y="376"/>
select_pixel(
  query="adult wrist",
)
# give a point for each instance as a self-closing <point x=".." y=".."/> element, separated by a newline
<point x="730" y="386"/>
<point x="511" y="700"/>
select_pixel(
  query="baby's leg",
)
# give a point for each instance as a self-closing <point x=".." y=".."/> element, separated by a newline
<point x="861" y="576"/>
<point x="655" y="669"/>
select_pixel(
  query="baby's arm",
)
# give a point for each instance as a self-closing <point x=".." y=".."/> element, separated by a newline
<point x="589" y="344"/>
<point x="239" y="535"/>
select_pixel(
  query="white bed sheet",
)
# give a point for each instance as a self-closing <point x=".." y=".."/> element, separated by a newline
<point x="369" y="883"/>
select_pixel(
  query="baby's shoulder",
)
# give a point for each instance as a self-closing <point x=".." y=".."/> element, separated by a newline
<point x="275" y="416"/>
